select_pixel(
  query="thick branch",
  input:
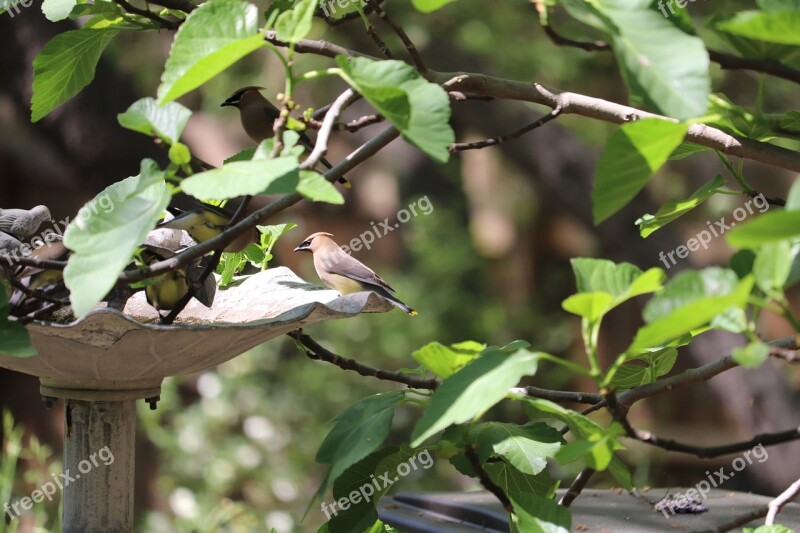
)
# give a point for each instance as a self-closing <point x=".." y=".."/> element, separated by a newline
<point x="577" y="487"/>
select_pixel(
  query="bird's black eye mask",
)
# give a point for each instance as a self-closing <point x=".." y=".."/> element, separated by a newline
<point x="305" y="244"/>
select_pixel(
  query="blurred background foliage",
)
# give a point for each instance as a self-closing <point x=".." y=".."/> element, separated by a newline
<point x="234" y="446"/>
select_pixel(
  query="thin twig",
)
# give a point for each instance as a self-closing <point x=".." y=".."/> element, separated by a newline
<point x="458" y="147"/>
<point x="704" y="452"/>
<point x="352" y="126"/>
<point x="782" y="499"/>
<point x="315" y="351"/>
<point x="589" y="46"/>
<point x="379" y="42"/>
<point x="412" y="50"/>
<point x="577" y="486"/>
<point x="739" y="521"/>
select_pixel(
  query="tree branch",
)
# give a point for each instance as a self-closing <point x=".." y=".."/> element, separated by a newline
<point x="485" y="480"/>
<point x="412" y="50"/>
<point x="315" y="351"/>
<point x="335" y="110"/>
<point x="168" y="24"/>
<point x="458" y="147"/>
<point x="783" y="498"/>
<point x="577" y="487"/>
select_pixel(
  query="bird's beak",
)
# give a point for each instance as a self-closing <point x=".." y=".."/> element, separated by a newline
<point x="228" y="102"/>
<point x="300" y="249"/>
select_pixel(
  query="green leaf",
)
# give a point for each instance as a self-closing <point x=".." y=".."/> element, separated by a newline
<point x="106" y="232"/>
<point x="356" y="487"/>
<point x="472" y="390"/>
<point x="742" y="262"/>
<point x="165" y="122"/>
<point x="213" y="37"/>
<point x="534" y="514"/>
<point x="769" y="227"/>
<point x="777" y="528"/>
<point x="778" y="5"/>
<point x="663" y="66"/>
<point x="589" y="305"/>
<point x="752" y="355"/>
<point x="689" y="317"/>
<point x="733" y="319"/>
<point x="632" y="155"/>
<point x="656" y="364"/>
<point x="14" y="338"/>
<point x="445" y="361"/>
<point x="245" y="155"/>
<point x="55" y="10"/>
<point x="512" y="480"/>
<point x="418" y="108"/>
<point x="772" y="266"/>
<point x="687" y="287"/>
<point x="782" y="27"/>
<point x="526" y="447"/>
<point x="316" y="188"/>
<point x="179" y="154"/>
<point x="358" y="432"/>
<point x="429" y="6"/>
<point x="685" y="149"/>
<point x="293" y="25"/>
<point x="265" y="176"/>
<point x="65" y="66"/>
<point x="676" y="208"/>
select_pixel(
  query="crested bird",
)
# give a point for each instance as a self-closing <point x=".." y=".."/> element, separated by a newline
<point x="258" y="116"/>
<point x="344" y="273"/>
<point x="166" y="290"/>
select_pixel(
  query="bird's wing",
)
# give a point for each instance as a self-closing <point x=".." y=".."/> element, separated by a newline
<point x="352" y="268"/>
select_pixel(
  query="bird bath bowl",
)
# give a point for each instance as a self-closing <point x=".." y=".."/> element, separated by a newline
<point x="104" y="361"/>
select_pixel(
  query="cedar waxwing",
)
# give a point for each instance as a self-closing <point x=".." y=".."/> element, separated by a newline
<point x="258" y="115"/>
<point x="208" y="221"/>
<point x="165" y="290"/>
<point x="22" y="223"/>
<point x="344" y="273"/>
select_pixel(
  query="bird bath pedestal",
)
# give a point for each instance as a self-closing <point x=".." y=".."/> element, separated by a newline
<point x="104" y="362"/>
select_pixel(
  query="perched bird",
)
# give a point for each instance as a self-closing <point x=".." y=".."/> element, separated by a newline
<point x="22" y="223"/>
<point x="207" y="221"/>
<point x="258" y="115"/>
<point x="165" y="290"/>
<point x="344" y="273"/>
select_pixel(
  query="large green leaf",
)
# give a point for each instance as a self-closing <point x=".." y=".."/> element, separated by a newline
<point x="673" y="209"/>
<point x="446" y="360"/>
<point x="418" y="108"/>
<point x="358" y="432"/>
<point x="663" y="65"/>
<point x="475" y="388"/>
<point x="603" y="285"/>
<point x="263" y="176"/>
<point x="781" y="27"/>
<point x="526" y="448"/>
<point x="769" y="227"/>
<point x="535" y="514"/>
<point x="686" y="318"/>
<point x="14" y="338"/>
<point x="316" y="188"/>
<point x="772" y="266"/>
<point x="165" y="122"/>
<point x="361" y="486"/>
<point x="106" y="232"/>
<point x="294" y="24"/>
<point x="65" y="66"/>
<point x="632" y="155"/>
<point x="512" y="480"/>
<point x="687" y="287"/>
<point x="213" y="37"/>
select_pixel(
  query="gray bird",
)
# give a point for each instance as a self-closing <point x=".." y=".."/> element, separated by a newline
<point x="22" y="223"/>
<point x="344" y="273"/>
<point x="258" y="116"/>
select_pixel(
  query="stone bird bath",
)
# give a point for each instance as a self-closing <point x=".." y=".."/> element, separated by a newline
<point x="103" y="362"/>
